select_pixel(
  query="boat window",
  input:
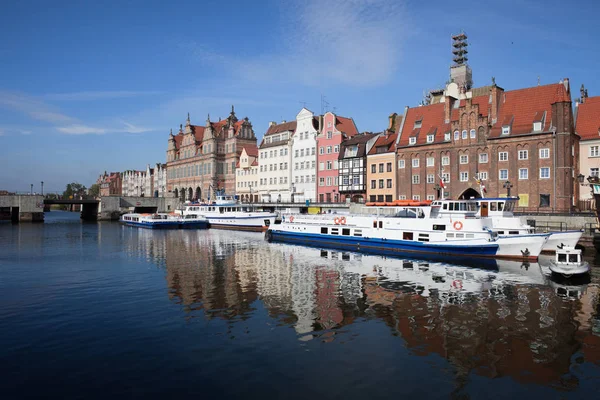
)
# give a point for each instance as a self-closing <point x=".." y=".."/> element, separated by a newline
<point x="500" y="206"/>
<point x="473" y="207"/>
<point x="562" y="257"/>
<point x="222" y="210"/>
<point x="346" y="231"/>
<point x="513" y="232"/>
<point x="451" y="206"/>
<point x="573" y="258"/>
<point x="493" y="205"/>
<point x="423" y="237"/>
<point x="460" y="235"/>
<point x="381" y="224"/>
<point x="449" y="235"/>
<point x="358" y="232"/>
<point x="463" y="206"/>
<point x="445" y="206"/>
<point x="374" y="224"/>
<point x="500" y="232"/>
<point x="324" y="230"/>
<point x="334" y="231"/>
<point x="407" y="236"/>
<point x="439" y="227"/>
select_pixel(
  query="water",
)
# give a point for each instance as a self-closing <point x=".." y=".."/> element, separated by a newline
<point x="100" y="310"/>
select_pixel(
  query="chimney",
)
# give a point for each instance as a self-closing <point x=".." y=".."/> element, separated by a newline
<point x="272" y="123"/>
<point x="495" y="93"/>
<point x="283" y="121"/>
<point x="448" y="104"/>
<point x="566" y="83"/>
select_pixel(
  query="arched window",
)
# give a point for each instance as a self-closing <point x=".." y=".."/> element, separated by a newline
<point x="456" y="135"/>
<point x="473" y="134"/>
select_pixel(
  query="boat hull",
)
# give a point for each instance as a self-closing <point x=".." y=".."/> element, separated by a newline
<point x="570" y="269"/>
<point x="253" y="224"/>
<point x="567" y="238"/>
<point x="168" y="224"/>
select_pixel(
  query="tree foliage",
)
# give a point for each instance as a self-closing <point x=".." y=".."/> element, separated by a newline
<point x="94" y="190"/>
<point x="73" y="190"/>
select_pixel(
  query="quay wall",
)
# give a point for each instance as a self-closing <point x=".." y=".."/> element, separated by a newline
<point x="24" y="208"/>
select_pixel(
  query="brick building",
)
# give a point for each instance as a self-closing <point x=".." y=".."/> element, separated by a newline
<point x="110" y="184"/>
<point x="519" y="142"/>
<point x="587" y="126"/>
<point x="202" y="159"/>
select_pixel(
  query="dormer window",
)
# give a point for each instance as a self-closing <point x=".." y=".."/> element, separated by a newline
<point x="418" y="123"/>
<point x="506" y="130"/>
<point x="447" y="136"/>
<point x="412" y="140"/>
<point x="537" y="126"/>
<point x="430" y="138"/>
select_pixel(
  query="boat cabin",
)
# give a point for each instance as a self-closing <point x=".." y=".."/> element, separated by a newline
<point x="568" y="255"/>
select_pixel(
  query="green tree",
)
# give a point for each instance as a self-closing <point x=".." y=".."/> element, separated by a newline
<point x="73" y="190"/>
<point x="94" y="190"/>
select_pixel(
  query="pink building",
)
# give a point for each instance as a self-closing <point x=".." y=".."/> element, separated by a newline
<point x="334" y="131"/>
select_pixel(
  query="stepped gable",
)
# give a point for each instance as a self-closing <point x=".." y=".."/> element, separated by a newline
<point x="524" y="106"/>
<point x="587" y="124"/>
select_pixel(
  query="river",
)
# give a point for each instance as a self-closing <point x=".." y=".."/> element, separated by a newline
<point x="100" y="310"/>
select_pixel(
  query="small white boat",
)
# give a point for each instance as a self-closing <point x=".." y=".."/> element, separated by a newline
<point x="568" y="262"/>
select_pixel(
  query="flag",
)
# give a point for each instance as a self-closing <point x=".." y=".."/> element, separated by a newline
<point x="442" y="183"/>
<point x="483" y="188"/>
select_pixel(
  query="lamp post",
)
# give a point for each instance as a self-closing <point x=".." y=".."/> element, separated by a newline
<point x="507" y="185"/>
<point x="251" y="199"/>
<point x="42" y="188"/>
<point x="31" y="192"/>
<point x="437" y="188"/>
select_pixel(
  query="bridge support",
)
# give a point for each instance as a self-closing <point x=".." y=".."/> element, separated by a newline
<point x="22" y="208"/>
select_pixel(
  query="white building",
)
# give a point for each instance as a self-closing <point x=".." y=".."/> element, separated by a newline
<point x="134" y="183"/>
<point x="159" y="180"/>
<point x="275" y="179"/>
<point x="149" y="183"/>
<point x="304" y="157"/>
<point x="246" y="175"/>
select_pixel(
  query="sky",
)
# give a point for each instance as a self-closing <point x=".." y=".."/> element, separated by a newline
<point x="88" y="87"/>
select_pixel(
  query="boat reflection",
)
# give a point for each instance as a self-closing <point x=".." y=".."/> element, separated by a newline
<point x="497" y="319"/>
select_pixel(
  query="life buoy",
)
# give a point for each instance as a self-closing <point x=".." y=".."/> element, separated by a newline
<point x="336" y="220"/>
<point x="458" y="225"/>
<point x="457" y="284"/>
<point x="343" y="220"/>
<point x="292" y="218"/>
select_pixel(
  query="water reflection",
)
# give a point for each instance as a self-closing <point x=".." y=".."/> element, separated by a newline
<point x="506" y="320"/>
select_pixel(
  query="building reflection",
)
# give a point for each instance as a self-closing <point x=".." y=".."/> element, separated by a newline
<point x="509" y="320"/>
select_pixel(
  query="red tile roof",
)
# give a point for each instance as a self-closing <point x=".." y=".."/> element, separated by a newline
<point x="251" y="150"/>
<point x="519" y="108"/>
<point x="278" y="128"/>
<point x="587" y="124"/>
<point x="346" y="125"/>
<point x="388" y="142"/>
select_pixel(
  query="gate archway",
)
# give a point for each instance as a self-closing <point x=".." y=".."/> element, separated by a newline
<point x="470" y="193"/>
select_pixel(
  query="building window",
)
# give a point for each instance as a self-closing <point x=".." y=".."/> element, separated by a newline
<point x="594" y="151"/>
<point x="381" y="168"/>
<point x="430" y="197"/>
<point x="328" y="181"/>
<point x="321" y="166"/>
<point x="594" y="172"/>
<point x="456" y="135"/>
<point x="446" y="160"/>
<point x="537" y="126"/>
<point x="446" y="177"/>
<point x="389" y="183"/>
<point x="381" y="184"/>
<point x="328" y="149"/>
<point x="473" y="134"/>
<point x="545" y="153"/>
<point x="506" y="130"/>
<point x="430" y="161"/>
<point x="416" y="179"/>
<point x="544" y="200"/>
<point x="416" y="197"/>
<point x="321" y="150"/>
<point x="373" y="184"/>
<point x="429" y="138"/>
<point x="336" y="148"/>
<point x="412" y="140"/>
<point x="464" y="134"/>
<point x="464" y="159"/>
<point x="430" y="178"/>
<point x="415" y="162"/>
<point x="483" y="158"/>
<point x="523" y="154"/>
<point x="523" y="173"/>
<point x="373" y="168"/>
<point x="503" y="174"/>
<point x="464" y="176"/>
<point x="544" y="173"/>
<point x="329" y="165"/>
<point x="356" y="163"/>
<point x="388" y="167"/>
<point x="344" y="180"/>
<point x="447" y="136"/>
<point x="483" y="175"/>
<point x="401" y="164"/>
<point x="503" y="156"/>
<point x="329" y="133"/>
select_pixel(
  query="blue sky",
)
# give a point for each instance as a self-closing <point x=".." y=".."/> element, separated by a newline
<point x="87" y="87"/>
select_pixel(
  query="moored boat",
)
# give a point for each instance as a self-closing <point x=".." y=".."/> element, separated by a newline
<point x="226" y="213"/>
<point x="165" y="221"/>
<point x="568" y="262"/>
<point x="409" y="230"/>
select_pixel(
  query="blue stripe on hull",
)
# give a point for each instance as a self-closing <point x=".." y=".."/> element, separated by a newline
<point x="168" y="225"/>
<point x="382" y="246"/>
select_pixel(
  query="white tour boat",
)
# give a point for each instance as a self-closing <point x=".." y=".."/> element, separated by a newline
<point x="418" y="228"/>
<point x="165" y="221"/>
<point x="568" y="262"/>
<point x="226" y="213"/>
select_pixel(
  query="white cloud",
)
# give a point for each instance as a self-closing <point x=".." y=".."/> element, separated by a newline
<point x="76" y="129"/>
<point x="33" y="107"/>
<point x="130" y="128"/>
<point x="97" y="95"/>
